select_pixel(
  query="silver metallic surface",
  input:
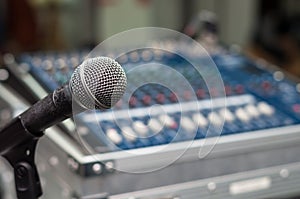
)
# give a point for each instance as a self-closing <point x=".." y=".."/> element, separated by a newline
<point x="98" y="83"/>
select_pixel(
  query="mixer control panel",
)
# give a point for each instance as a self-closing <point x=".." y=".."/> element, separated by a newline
<point x="153" y="114"/>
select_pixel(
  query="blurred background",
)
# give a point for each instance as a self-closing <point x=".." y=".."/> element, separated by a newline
<point x="58" y="34"/>
<point x="265" y="28"/>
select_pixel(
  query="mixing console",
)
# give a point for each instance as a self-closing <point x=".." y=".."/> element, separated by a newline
<point x="153" y="114"/>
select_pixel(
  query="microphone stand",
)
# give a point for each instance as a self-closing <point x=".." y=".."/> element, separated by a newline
<point x="17" y="145"/>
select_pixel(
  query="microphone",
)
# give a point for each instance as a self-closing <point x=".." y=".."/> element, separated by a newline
<point x="98" y="83"/>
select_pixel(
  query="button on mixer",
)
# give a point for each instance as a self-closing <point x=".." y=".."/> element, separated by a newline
<point x="278" y="75"/>
<point x="239" y="89"/>
<point x="296" y="108"/>
<point x="132" y="101"/>
<point x="173" y="97"/>
<point x="147" y="55"/>
<point x="266" y="85"/>
<point x="215" y="119"/>
<point x="155" y="125"/>
<point x="134" y="56"/>
<point x="147" y="99"/>
<point x="123" y="59"/>
<point x="168" y="121"/>
<point x="227" y="114"/>
<point x="252" y="110"/>
<point x="228" y="90"/>
<point x="265" y="108"/>
<point x="140" y="128"/>
<point x="128" y="133"/>
<point x="200" y="120"/>
<point x="187" y="95"/>
<point x="242" y="115"/>
<point x="188" y="124"/>
<point x="160" y="98"/>
<point x="114" y="136"/>
<point x="201" y="93"/>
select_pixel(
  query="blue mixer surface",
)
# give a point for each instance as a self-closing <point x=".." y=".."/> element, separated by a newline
<point x="256" y="98"/>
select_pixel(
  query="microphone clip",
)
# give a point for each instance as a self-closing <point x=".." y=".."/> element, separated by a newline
<point x="21" y="156"/>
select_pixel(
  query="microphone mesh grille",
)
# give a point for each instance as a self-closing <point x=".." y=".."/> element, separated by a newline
<point x="98" y="83"/>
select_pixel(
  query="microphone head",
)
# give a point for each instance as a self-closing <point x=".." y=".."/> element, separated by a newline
<point x="98" y="83"/>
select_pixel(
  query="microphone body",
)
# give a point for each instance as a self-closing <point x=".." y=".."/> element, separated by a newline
<point x="54" y="108"/>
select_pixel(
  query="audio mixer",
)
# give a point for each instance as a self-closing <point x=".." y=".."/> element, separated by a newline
<point x="149" y="144"/>
<point x="255" y="99"/>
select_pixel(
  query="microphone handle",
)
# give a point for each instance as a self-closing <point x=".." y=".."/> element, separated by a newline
<point x="52" y="109"/>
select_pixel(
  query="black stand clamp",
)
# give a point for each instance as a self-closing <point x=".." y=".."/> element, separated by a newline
<point x="18" y="147"/>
